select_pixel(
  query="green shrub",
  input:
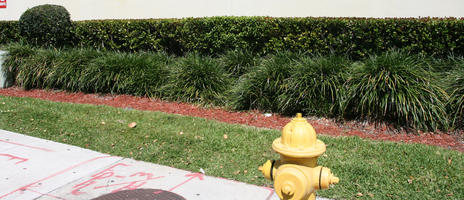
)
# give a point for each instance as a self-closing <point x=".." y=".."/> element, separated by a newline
<point x="8" y="32"/>
<point x="32" y="71"/>
<point x="88" y="70"/>
<point x="443" y="65"/>
<point x="456" y="101"/>
<point x="356" y="38"/>
<point x="15" y="56"/>
<point x="45" y="25"/>
<point x="261" y="88"/>
<point x="17" y="53"/>
<point x="316" y="86"/>
<point x="49" y="68"/>
<point x="125" y="73"/>
<point x="65" y="71"/>
<point x="197" y="79"/>
<point x="239" y="62"/>
<point x="394" y="87"/>
<point x="127" y="35"/>
<point x="216" y="35"/>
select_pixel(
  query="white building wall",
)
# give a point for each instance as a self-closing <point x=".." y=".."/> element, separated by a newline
<point x="139" y="9"/>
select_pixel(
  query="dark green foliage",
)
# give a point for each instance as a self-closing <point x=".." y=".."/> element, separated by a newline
<point x="8" y="32"/>
<point x="456" y="101"/>
<point x="261" y="88"/>
<point x="122" y="73"/>
<point x="216" y="35"/>
<point x="394" y="87"/>
<point x="32" y="71"/>
<point x="353" y="37"/>
<point x="127" y="35"/>
<point x="45" y="25"/>
<point x="28" y="64"/>
<point x="198" y="79"/>
<point x="17" y="53"/>
<point x="239" y="62"/>
<point x="316" y="86"/>
<point x="66" y="70"/>
<point x="88" y="70"/>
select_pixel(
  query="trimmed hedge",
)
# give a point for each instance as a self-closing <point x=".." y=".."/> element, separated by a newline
<point x="354" y="37"/>
<point x="128" y="35"/>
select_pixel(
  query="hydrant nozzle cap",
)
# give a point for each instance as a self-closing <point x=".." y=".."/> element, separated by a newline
<point x="266" y="169"/>
<point x="288" y="188"/>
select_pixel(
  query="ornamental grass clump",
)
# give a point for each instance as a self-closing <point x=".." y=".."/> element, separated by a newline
<point x="316" y="86"/>
<point x="456" y="101"/>
<point x="17" y="54"/>
<point x="238" y="62"/>
<point x="49" y="68"/>
<point x="139" y="74"/>
<point x="393" y="87"/>
<point x="197" y="79"/>
<point x="262" y="87"/>
<point x="32" y="71"/>
<point x="65" y="71"/>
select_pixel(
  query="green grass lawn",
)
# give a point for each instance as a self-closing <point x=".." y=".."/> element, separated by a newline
<point x="378" y="170"/>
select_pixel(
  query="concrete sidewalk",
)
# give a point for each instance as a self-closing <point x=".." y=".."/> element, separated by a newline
<point x="33" y="168"/>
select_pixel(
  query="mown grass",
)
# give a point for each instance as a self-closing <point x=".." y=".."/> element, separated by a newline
<point x="378" y="170"/>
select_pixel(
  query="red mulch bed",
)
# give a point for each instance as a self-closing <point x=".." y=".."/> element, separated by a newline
<point x="252" y="118"/>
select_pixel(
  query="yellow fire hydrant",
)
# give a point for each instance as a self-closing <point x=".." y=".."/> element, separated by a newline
<point x="296" y="175"/>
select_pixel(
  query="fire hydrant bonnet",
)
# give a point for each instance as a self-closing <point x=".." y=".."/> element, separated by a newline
<point x="299" y="140"/>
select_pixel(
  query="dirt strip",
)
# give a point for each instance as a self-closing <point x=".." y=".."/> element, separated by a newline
<point x="252" y="118"/>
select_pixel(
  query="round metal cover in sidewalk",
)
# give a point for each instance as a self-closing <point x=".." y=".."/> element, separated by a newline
<point x="141" y="194"/>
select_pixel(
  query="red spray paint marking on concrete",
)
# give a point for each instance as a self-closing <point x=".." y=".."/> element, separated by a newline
<point x="28" y="146"/>
<point x="108" y="173"/>
<point x="128" y="185"/>
<point x="192" y="176"/>
<point x="98" y="176"/>
<point x="12" y="157"/>
<point x="53" y="196"/>
<point x="26" y="187"/>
